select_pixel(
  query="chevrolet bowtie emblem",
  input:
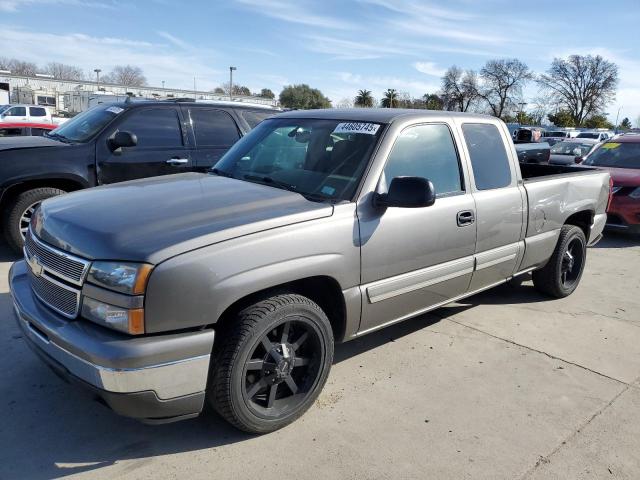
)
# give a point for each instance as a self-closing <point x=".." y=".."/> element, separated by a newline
<point x="36" y="266"/>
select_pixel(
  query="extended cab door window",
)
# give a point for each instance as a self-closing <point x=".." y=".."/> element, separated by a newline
<point x="160" y="148"/>
<point x="414" y="258"/>
<point x="499" y="204"/>
<point x="37" y="112"/>
<point x="215" y="131"/>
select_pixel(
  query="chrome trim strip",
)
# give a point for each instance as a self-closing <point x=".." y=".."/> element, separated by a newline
<point x="167" y="380"/>
<point x="429" y="308"/>
<point x="417" y="279"/>
<point x="86" y="263"/>
<point x="496" y="256"/>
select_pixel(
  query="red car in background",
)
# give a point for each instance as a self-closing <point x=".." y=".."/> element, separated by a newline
<point x="25" y="129"/>
<point x="621" y="156"/>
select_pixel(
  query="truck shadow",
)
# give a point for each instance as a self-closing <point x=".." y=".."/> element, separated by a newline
<point x="614" y="239"/>
<point x="56" y="430"/>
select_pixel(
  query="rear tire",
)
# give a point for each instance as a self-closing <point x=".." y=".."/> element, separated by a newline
<point x="274" y="361"/>
<point x="562" y="274"/>
<point x="18" y="214"/>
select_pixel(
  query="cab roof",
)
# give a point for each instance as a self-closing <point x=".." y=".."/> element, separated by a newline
<point x="382" y="115"/>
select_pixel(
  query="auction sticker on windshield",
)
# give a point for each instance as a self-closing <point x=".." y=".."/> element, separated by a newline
<point x="610" y="145"/>
<point x="115" y="109"/>
<point x="357" y="127"/>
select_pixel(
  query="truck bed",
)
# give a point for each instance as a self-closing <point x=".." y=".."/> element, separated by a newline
<point x="531" y="171"/>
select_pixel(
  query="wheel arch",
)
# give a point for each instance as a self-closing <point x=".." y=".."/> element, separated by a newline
<point x="68" y="184"/>
<point x="323" y="290"/>
<point x="582" y="219"/>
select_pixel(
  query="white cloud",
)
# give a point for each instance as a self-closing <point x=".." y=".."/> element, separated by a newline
<point x="296" y="12"/>
<point x="159" y="62"/>
<point x="429" y="68"/>
<point x="175" y="40"/>
<point x="383" y="82"/>
<point x="15" y="5"/>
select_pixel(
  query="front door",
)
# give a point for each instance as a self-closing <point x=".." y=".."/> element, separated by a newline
<point x="416" y="258"/>
<point x="161" y="147"/>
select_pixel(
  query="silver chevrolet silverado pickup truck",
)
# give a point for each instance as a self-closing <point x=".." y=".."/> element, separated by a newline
<point x="231" y="288"/>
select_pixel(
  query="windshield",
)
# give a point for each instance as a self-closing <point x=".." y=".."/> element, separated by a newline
<point x="3" y="108"/>
<point x="320" y="159"/>
<point x="588" y="135"/>
<point x="613" y="154"/>
<point x="571" y="148"/>
<point x="84" y="126"/>
<point x="555" y="134"/>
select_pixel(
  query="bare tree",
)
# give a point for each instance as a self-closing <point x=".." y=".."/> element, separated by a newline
<point x="18" y="67"/>
<point x="459" y="89"/>
<point x="502" y="83"/>
<point x="237" y="89"/>
<point x="127" y="75"/>
<point x="64" y="72"/>
<point x="583" y="85"/>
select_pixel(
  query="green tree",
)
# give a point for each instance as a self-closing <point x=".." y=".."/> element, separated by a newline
<point x="625" y="124"/>
<point x="562" y="118"/>
<point x="363" y="99"/>
<point x="432" y="101"/>
<point x="303" y="97"/>
<point x="390" y="99"/>
<point x="598" y="121"/>
<point x="267" y="93"/>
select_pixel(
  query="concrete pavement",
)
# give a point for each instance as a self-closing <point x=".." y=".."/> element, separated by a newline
<point x="507" y="384"/>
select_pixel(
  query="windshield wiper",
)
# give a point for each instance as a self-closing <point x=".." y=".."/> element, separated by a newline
<point x="221" y="173"/>
<point x="270" y="181"/>
<point x="57" y="136"/>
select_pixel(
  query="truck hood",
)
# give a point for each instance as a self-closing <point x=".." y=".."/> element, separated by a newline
<point x="14" y="143"/>
<point x="153" y="219"/>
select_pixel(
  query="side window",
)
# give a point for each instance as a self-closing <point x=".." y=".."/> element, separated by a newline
<point x="213" y="127"/>
<point x="426" y="151"/>
<point x="17" y="112"/>
<point x="253" y="117"/>
<point x="154" y="127"/>
<point x="488" y="156"/>
<point x="37" y="112"/>
<point x="10" y="132"/>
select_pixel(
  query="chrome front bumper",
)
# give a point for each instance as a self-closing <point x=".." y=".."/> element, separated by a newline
<point x="169" y="366"/>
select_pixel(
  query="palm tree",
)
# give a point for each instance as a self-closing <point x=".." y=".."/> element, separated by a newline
<point x="390" y="98"/>
<point x="363" y="99"/>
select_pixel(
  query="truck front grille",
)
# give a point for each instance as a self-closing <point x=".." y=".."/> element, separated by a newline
<point x="56" y="277"/>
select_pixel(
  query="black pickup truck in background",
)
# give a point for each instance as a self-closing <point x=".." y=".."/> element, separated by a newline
<point x="112" y="143"/>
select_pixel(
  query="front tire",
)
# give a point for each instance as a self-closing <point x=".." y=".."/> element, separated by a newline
<point x="562" y="273"/>
<point x="18" y="214"/>
<point x="274" y="361"/>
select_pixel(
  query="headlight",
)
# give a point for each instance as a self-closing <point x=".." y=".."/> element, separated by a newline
<point x="118" y="318"/>
<point x="635" y="194"/>
<point x="129" y="278"/>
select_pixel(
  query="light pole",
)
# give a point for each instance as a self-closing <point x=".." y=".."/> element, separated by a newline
<point x="97" y="70"/>
<point x="522" y="104"/>
<point x="231" y="69"/>
<point x="163" y="84"/>
<point x="617" y="115"/>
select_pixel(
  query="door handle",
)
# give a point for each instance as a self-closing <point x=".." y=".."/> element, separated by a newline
<point x="177" y="161"/>
<point x="465" y="217"/>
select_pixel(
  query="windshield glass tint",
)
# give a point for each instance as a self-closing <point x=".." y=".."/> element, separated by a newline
<point x="613" y="154"/>
<point x="588" y="135"/>
<point x="324" y="159"/>
<point x="571" y="148"/>
<point x="82" y="127"/>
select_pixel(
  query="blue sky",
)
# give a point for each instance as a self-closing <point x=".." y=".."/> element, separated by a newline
<point x="337" y="46"/>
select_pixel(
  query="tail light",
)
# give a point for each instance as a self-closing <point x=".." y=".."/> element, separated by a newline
<point x="610" y="193"/>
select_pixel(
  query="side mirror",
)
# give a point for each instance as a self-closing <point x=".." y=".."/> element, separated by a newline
<point x="578" y="159"/>
<point x="122" y="139"/>
<point x="407" y="192"/>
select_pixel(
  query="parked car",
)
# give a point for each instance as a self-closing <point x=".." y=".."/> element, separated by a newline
<point x="112" y="143"/>
<point x="25" y="113"/>
<point x="599" y="136"/>
<point x="535" y="152"/>
<point x="571" y="150"/>
<point x="554" y="136"/>
<point x="25" y="129"/>
<point x="317" y="227"/>
<point x="621" y="157"/>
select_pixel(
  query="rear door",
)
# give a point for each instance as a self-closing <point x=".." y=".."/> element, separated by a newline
<point x="214" y="131"/>
<point x="38" y="114"/>
<point x="499" y="201"/>
<point x="161" y="148"/>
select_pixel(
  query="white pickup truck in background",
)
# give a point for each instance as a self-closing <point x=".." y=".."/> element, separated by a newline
<point x="27" y="113"/>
